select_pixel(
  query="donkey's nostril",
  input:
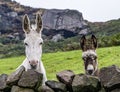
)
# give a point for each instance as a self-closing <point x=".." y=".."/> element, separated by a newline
<point x="90" y="72"/>
<point x="33" y="66"/>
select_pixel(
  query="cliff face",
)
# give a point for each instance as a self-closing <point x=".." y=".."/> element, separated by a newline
<point x="63" y="19"/>
<point x="66" y="23"/>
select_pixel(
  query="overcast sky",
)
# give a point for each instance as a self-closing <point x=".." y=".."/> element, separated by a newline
<point x="92" y="10"/>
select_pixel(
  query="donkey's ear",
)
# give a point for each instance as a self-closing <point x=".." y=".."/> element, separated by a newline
<point x="94" y="40"/>
<point x="82" y="42"/>
<point x="38" y="22"/>
<point x="26" y="24"/>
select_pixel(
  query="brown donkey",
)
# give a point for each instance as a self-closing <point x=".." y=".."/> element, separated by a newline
<point x="89" y="55"/>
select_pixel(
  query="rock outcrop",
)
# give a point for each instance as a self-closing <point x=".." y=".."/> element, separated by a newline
<point x="64" y="20"/>
<point x="67" y="22"/>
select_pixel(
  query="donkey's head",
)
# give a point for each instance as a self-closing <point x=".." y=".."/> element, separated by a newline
<point x="89" y="54"/>
<point x="33" y="41"/>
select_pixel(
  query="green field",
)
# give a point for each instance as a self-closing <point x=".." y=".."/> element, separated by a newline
<point x="55" y="62"/>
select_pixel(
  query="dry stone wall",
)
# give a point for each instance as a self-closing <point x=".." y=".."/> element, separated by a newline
<point x="31" y="81"/>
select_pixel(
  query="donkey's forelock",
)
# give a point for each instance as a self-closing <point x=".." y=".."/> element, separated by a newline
<point x="89" y="53"/>
<point x="33" y="28"/>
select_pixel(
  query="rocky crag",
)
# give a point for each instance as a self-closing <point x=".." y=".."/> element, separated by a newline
<point x="66" y="23"/>
<point x="68" y="81"/>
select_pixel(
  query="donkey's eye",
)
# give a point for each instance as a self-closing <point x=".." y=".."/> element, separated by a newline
<point x="95" y="57"/>
<point x="40" y="43"/>
<point x="84" y="58"/>
<point x="26" y="44"/>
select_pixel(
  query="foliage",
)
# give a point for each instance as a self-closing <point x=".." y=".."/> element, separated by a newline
<point x="12" y="47"/>
<point x="16" y="49"/>
<point x="11" y="50"/>
<point x="108" y="41"/>
<point x="103" y="29"/>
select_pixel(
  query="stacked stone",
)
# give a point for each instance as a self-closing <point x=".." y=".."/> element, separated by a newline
<point x="107" y="81"/>
<point x="21" y="81"/>
<point x="110" y="78"/>
<point x="68" y="81"/>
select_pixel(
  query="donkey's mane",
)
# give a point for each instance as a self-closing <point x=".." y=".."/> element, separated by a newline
<point x="34" y="27"/>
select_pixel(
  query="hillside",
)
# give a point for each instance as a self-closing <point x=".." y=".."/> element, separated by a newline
<point x="56" y="62"/>
<point x="62" y="29"/>
<point x="54" y="21"/>
<point x="107" y="28"/>
<point x="57" y="25"/>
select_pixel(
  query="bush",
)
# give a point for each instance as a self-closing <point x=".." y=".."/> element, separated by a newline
<point x="15" y="49"/>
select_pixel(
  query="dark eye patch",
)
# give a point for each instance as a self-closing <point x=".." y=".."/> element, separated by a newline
<point x="84" y="58"/>
<point x="93" y="57"/>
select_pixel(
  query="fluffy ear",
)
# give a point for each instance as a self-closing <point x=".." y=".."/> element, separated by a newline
<point x="38" y="22"/>
<point x="82" y="42"/>
<point x="94" y="41"/>
<point x="26" y="24"/>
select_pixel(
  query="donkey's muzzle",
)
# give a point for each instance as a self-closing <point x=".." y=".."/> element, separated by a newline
<point x="33" y="64"/>
<point x="90" y="69"/>
<point x="90" y="72"/>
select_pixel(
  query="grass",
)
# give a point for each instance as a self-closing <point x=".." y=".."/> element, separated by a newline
<point x="71" y="60"/>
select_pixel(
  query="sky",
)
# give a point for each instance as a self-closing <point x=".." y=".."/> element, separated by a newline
<point x="92" y="10"/>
